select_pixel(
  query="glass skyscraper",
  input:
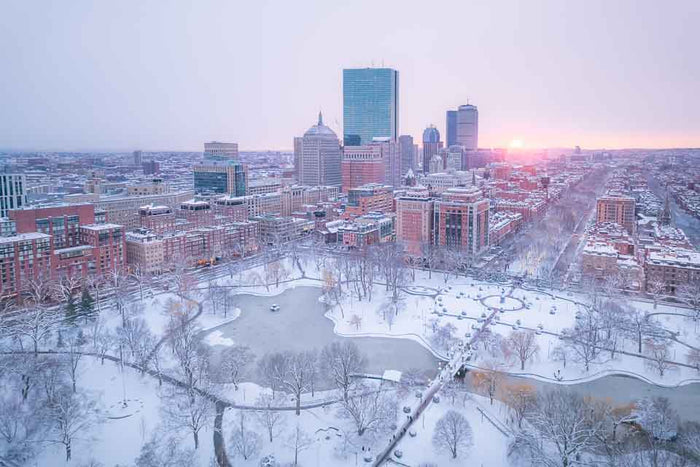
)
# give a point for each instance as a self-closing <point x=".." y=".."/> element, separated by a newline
<point x="451" y="128"/>
<point x="370" y="105"/>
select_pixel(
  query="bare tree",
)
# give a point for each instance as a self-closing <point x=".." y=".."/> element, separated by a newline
<point x="72" y="414"/>
<point x="36" y="322"/>
<point x="521" y="399"/>
<point x="73" y="356"/>
<point x="186" y="409"/>
<point x="658" y="350"/>
<point x="488" y="380"/>
<point x="22" y="427"/>
<point x="290" y="372"/>
<point x="657" y="289"/>
<point x="562" y="428"/>
<point x="452" y="433"/>
<point x="299" y="440"/>
<point x="245" y="443"/>
<point x="342" y="362"/>
<point x="117" y="279"/>
<point x="584" y="339"/>
<point x="690" y="294"/>
<point x="233" y="363"/>
<point x="524" y="344"/>
<point x="369" y="409"/>
<point x="132" y="335"/>
<point x="269" y="418"/>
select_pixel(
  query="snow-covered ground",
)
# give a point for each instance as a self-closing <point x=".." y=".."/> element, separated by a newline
<point x="429" y="304"/>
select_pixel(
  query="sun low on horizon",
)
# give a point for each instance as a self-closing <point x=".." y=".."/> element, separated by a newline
<point x="516" y="144"/>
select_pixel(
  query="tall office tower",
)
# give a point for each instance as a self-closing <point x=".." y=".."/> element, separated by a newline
<point x="451" y="128"/>
<point x="217" y="150"/>
<point x="407" y="152"/>
<point x="297" y="155"/>
<point x="370" y="105"/>
<point x="212" y="177"/>
<point x="318" y="157"/>
<point x="468" y="127"/>
<point x="431" y="146"/>
<point x="138" y="158"/>
<point x="12" y="192"/>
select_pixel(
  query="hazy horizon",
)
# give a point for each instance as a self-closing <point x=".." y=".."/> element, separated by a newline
<point x="98" y="76"/>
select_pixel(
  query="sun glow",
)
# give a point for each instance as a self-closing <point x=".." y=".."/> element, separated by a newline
<point x="516" y="144"/>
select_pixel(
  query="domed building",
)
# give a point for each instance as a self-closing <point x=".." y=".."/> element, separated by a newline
<point x="317" y="156"/>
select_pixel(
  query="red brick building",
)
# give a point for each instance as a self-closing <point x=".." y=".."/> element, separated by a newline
<point x="362" y="165"/>
<point x="109" y="246"/>
<point x="414" y="219"/>
<point x="157" y="219"/>
<point x="461" y="220"/>
<point x="23" y="257"/>
<point x="368" y="198"/>
<point x="60" y="221"/>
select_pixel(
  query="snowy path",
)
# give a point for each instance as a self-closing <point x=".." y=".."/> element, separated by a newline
<point x="448" y="372"/>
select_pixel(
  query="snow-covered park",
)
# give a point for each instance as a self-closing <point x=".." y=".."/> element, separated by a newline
<point x="146" y="393"/>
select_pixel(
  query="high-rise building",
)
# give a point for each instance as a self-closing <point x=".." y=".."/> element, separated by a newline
<point x="468" y="127"/>
<point x="217" y="150"/>
<point x="431" y="146"/>
<point x="461" y="220"/>
<point x="362" y="165"/>
<point x="414" y="219"/>
<point x="370" y="105"/>
<point x="12" y="192"/>
<point x="455" y="158"/>
<point x="617" y="208"/>
<point x="451" y="128"/>
<point x="220" y="177"/>
<point x="318" y="157"/>
<point x="138" y="158"/>
<point x="407" y="154"/>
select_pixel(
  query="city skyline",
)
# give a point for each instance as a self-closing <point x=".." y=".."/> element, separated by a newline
<point x="549" y="75"/>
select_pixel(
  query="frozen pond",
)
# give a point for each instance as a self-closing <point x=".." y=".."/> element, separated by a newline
<point x="300" y="325"/>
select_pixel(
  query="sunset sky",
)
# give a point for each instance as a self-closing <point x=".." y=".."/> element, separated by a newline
<point x="169" y="75"/>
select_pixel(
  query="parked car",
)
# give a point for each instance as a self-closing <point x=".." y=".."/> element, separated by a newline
<point x="275" y="307"/>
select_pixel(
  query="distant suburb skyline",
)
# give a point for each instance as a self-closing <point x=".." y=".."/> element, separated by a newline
<point x="118" y="76"/>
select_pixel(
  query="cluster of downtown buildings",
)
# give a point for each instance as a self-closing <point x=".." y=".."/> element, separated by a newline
<point x="77" y="214"/>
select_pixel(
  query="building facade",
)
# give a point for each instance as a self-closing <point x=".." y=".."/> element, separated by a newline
<point x="617" y="208"/>
<point x="431" y="146"/>
<point x="461" y="220"/>
<point x="468" y="127"/>
<point x="370" y="105"/>
<point x="220" y="177"/>
<point x="12" y="192"/>
<point x="317" y="156"/>
<point x="218" y="150"/>
<point x="407" y="155"/>
<point x="451" y="128"/>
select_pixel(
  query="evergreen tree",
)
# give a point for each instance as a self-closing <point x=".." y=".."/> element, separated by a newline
<point x="87" y="303"/>
<point x="71" y="308"/>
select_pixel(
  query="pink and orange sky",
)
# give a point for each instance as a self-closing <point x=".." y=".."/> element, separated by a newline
<point x="157" y="75"/>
